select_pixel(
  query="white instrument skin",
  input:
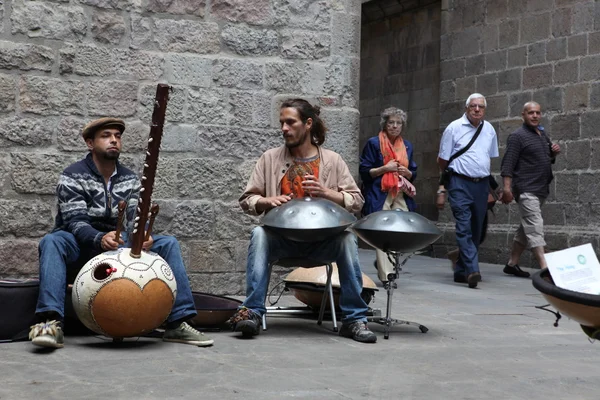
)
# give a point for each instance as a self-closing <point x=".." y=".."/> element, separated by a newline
<point x="131" y="300"/>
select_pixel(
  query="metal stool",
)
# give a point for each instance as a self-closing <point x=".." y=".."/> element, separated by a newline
<point x="294" y="311"/>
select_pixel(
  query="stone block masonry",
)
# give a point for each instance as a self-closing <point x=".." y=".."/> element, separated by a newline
<point x="230" y="62"/>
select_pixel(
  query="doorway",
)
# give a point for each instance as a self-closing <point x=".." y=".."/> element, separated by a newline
<point x="400" y="67"/>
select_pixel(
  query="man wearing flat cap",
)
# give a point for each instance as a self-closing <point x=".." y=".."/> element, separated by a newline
<point x="88" y="194"/>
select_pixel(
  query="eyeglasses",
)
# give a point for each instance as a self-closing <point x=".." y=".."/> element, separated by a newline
<point x="474" y="106"/>
<point x="394" y="123"/>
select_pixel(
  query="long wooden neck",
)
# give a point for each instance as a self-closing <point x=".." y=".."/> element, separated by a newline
<point x="150" y="164"/>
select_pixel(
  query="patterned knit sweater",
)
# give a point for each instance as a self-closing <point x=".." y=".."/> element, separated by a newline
<point x="86" y="208"/>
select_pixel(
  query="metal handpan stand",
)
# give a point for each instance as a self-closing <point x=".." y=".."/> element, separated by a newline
<point x="399" y="234"/>
<point x="398" y="260"/>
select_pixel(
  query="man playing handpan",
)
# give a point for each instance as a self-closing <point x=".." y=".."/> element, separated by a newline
<point x="302" y="167"/>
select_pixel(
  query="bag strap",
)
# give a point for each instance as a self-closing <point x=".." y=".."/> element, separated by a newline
<point x="464" y="149"/>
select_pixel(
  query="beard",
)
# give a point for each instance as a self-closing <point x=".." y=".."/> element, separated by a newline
<point x="110" y="155"/>
<point x="291" y="143"/>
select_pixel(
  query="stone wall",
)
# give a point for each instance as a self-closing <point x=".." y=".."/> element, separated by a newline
<point x="230" y="62"/>
<point x="513" y="51"/>
<point x="400" y="67"/>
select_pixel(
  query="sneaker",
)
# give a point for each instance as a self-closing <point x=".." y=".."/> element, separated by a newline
<point x="358" y="331"/>
<point x="185" y="334"/>
<point x="47" y="334"/>
<point x="246" y="321"/>
<point x="515" y="270"/>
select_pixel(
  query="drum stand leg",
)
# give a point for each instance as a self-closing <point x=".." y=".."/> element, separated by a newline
<point x="391" y="284"/>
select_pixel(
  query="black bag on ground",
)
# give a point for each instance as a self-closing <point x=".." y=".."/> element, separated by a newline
<point x="18" y="299"/>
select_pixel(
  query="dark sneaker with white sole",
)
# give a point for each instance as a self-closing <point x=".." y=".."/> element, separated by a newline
<point x="358" y="331"/>
<point x="246" y="321"/>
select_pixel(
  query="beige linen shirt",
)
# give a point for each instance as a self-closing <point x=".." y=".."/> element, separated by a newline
<point x="273" y="165"/>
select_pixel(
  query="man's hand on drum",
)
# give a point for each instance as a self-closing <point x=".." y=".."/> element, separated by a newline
<point x="109" y="243"/>
<point x="266" y="203"/>
<point x="314" y="188"/>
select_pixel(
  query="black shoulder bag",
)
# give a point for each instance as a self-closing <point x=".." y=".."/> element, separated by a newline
<point x="446" y="173"/>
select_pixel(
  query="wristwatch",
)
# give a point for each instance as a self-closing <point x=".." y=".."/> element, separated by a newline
<point x="440" y="191"/>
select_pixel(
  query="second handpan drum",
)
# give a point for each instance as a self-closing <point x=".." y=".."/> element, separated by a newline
<point x="308" y="219"/>
<point x="583" y="308"/>
<point x="396" y="230"/>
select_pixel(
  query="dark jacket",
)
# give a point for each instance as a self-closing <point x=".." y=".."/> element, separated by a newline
<point x="86" y="208"/>
<point x="370" y="158"/>
<point x="528" y="161"/>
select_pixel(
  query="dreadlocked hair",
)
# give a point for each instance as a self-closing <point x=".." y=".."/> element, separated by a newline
<point x="306" y="111"/>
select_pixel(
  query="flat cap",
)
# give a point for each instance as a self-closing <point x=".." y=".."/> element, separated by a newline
<point x="90" y="129"/>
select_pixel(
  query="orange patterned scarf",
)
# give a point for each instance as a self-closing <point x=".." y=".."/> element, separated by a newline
<point x="291" y="183"/>
<point x="391" y="180"/>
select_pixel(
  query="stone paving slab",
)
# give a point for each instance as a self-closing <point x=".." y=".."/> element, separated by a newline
<point x="488" y="343"/>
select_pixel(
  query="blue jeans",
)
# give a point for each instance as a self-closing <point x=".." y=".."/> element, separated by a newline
<point x="61" y="254"/>
<point x="468" y="201"/>
<point x="266" y="247"/>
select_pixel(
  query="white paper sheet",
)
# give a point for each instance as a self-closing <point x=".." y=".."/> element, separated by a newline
<point x="576" y="268"/>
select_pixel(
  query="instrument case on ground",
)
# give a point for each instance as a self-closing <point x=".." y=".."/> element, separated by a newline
<point x="18" y="298"/>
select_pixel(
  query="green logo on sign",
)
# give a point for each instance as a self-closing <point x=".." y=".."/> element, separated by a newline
<point x="581" y="259"/>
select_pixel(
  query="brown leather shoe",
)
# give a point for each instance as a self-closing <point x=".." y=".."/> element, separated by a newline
<point x="473" y="279"/>
<point x="453" y="257"/>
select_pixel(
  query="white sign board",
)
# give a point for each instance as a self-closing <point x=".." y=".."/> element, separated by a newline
<point x="576" y="268"/>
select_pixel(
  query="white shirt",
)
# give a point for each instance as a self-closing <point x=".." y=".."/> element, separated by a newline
<point x="475" y="162"/>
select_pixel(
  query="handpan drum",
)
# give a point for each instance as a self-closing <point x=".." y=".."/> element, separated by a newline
<point x="583" y="308"/>
<point x="308" y="219"/>
<point x="396" y="230"/>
